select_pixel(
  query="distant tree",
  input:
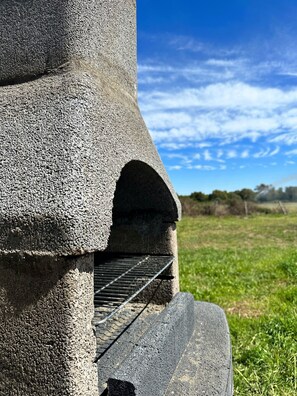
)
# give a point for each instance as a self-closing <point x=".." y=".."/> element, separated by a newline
<point x="262" y="187"/>
<point x="279" y="194"/>
<point x="266" y="192"/>
<point x="262" y="193"/>
<point x="246" y="194"/>
<point x="218" y="195"/>
<point x="272" y="194"/>
<point x="199" y="196"/>
<point x="290" y="194"/>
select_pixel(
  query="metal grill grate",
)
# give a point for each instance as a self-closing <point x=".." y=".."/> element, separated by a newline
<point x="108" y="332"/>
<point x="119" y="280"/>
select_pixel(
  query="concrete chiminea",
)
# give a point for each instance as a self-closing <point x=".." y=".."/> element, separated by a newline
<point x="83" y="195"/>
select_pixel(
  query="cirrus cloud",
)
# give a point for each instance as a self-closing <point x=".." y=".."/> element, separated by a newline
<point x="228" y="112"/>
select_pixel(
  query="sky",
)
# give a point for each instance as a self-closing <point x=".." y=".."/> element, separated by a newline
<point x="217" y="83"/>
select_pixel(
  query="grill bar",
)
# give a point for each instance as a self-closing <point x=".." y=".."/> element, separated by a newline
<point x="118" y="280"/>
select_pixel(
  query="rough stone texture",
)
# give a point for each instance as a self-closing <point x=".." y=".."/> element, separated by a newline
<point x="39" y="36"/>
<point x="65" y="140"/>
<point x="47" y="343"/>
<point x="206" y="365"/>
<point x="149" y="367"/>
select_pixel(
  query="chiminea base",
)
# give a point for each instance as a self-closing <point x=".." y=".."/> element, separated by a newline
<point x="183" y="350"/>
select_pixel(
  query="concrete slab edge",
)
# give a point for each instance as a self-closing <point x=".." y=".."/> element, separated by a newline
<point x="150" y="366"/>
<point x="206" y="365"/>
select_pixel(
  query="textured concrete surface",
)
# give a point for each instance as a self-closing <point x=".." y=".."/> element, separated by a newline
<point x="70" y="125"/>
<point x="206" y="365"/>
<point x="65" y="140"/>
<point x="149" y="367"/>
<point x="47" y="343"/>
<point x="39" y="36"/>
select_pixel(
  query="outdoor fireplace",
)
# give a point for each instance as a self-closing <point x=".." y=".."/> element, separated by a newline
<point x="89" y="299"/>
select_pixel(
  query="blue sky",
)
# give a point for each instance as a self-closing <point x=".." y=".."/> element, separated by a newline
<point x="218" y="90"/>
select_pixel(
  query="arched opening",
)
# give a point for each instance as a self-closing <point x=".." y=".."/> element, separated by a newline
<point x="138" y="271"/>
<point x="143" y="212"/>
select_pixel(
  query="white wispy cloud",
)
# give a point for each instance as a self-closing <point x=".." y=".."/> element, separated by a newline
<point x="214" y="70"/>
<point x="174" y="167"/>
<point x="174" y="145"/>
<point x="245" y="154"/>
<point x="228" y="112"/>
<point x="221" y="106"/>
<point x="184" y="159"/>
<point x="203" y="144"/>
<point x="220" y="153"/>
<point x="186" y="43"/>
<point x="165" y="120"/>
<point x="203" y="167"/>
<point x="262" y="153"/>
<point x="151" y="80"/>
<point x="291" y="152"/>
<point x="288" y="138"/>
<point x="190" y="44"/>
<point x="231" y="154"/>
<point x="234" y="95"/>
<point x="155" y="74"/>
<point x="267" y="152"/>
<point x="274" y="152"/>
<point x="207" y="155"/>
<point x="224" y="62"/>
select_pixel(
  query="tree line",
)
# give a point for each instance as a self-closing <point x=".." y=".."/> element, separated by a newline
<point x="261" y="193"/>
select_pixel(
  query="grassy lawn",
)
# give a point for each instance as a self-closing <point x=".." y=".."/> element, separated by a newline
<point x="249" y="268"/>
<point x="291" y="207"/>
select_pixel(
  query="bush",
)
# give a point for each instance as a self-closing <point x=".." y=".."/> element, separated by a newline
<point x="233" y="206"/>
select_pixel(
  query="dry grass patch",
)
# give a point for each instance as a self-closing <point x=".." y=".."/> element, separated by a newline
<point x="245" y="309"/>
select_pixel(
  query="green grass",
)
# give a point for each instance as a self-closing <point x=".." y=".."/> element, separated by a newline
<point x="248" y="267"/>
<point x="291" y="207"/>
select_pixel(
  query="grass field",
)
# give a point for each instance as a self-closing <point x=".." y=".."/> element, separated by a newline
<point x="291" y="207"/>
<point x="248" y="267"/>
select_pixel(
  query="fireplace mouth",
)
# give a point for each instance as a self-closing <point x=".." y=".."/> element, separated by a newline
<point x="143" y="211"/>
<point x="136" y="272"/>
